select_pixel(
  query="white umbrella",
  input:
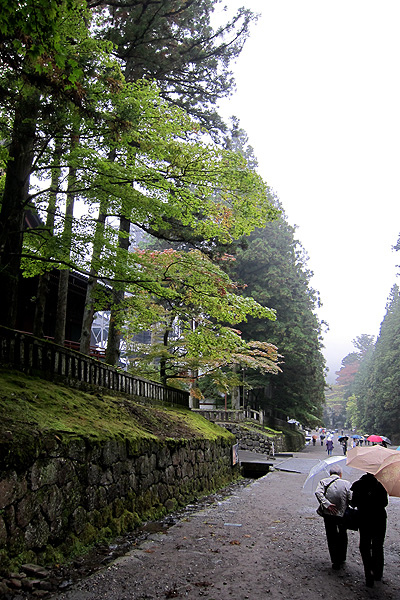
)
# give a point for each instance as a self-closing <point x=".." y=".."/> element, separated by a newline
<point x="321" y="470"/>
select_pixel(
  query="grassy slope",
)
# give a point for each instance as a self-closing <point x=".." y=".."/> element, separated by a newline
<point x="31" y="405"/>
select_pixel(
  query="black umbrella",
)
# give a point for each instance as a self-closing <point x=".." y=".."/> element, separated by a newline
<point x="386" y="440"/>
<point x="342" y="437"/>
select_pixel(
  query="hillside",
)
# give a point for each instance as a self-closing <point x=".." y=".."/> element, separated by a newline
<point x="31" y="406"/>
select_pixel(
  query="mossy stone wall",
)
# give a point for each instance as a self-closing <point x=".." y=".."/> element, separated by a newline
<point x="64" y="492"/>
<point x="260" y="441"/>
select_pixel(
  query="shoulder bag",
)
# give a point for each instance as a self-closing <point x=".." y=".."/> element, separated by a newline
<point x="350" y="518"/>
<point x="320" y="509"/>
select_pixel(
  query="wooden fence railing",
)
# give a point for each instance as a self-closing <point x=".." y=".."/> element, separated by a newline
<point x="256" y="415"/>
<point x="232" y="415"/>
<point x="46" y="359"/>
<point x="260" y="416"/>
<point x="221" y="415"/>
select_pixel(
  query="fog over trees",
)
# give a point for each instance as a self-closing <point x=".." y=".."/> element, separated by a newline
<point x="367" y="389"/>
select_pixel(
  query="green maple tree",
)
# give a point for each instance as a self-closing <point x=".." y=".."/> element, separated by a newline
<point x="189" y="304"/>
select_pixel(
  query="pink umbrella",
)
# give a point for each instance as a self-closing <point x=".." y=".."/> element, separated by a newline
<point x="375" y="438"/>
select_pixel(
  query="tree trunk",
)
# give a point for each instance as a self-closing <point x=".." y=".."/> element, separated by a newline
<point x="194" y="384"/>
<point x="40" y="306"/>
<point x="88" y="314"/>
<point x="98" y="245"/>
<point x="43" y="284"/>
<point x="89" y="310"/>
<point x="14" y="203"/>
<point x="163" y="362"/>
<point x="62" y="299"/>
<point x="235" y="395"/>
<point x="62" y="303"/>
<point x="114" y="331"/>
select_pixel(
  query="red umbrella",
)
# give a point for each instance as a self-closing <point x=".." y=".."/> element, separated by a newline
<point x="375" y="438"/>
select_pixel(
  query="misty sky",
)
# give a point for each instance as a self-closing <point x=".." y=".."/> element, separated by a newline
<point x="318" y="93"/>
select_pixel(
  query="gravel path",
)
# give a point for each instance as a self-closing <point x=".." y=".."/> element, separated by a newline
<point x="263" y="542"/>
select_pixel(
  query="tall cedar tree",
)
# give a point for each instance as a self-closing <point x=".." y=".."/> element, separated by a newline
<point x="175" y="44"/>
<point x="378" y="394"/>
<point x="357" y="410"/>
<point x="39" y="70"/>
<point x="273" y="269"/>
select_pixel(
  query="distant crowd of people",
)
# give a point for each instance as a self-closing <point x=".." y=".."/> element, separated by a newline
<point x="344" y="440"/>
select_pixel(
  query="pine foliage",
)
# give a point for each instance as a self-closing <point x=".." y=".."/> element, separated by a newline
<point x="378" y="385"/>
<point x="274" y="271"/>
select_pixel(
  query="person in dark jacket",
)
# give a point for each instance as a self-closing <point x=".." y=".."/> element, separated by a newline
<point x="370" y="497"/>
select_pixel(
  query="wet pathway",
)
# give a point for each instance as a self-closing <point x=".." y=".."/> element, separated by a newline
<point x="262" y="541"/>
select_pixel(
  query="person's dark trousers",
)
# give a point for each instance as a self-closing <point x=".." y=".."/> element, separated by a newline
<point x="336" y="536"/>
<point x="372" y="537"/>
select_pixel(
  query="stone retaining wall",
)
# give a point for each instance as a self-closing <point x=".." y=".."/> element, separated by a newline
<point x="252" y="440"/>
<point x="65" y="492"/>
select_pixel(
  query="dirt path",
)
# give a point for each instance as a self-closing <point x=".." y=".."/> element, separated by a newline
<point x="263" y="542"/>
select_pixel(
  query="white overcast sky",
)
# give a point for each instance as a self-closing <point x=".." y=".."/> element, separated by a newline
<point x="318" y="93"/>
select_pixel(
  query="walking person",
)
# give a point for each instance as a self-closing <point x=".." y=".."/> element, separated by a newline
<point x="329" y="446"/>
<point x="371" y="499"/>
<point x="333" y="494"/>
<point x="344" y="444"/>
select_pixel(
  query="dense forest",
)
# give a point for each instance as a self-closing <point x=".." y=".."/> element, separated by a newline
<point x="110" y="136"/>
<point x="367" y="391"/>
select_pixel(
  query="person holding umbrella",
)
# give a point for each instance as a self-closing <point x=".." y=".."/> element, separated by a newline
<point x="343" y="441"/>
<point x="370" y="497"/>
